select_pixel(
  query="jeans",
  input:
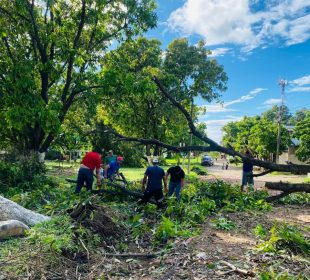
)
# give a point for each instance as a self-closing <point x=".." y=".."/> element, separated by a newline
<point x="247" y="178"/>
<point x="175" y="188"/>
<point x="84" y="175"/>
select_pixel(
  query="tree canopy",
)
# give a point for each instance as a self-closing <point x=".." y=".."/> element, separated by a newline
<point x="134" y="106"/>
<point x="51" y="55"/>
<point x="302" y="132"/>
<point x="256" y="133"/>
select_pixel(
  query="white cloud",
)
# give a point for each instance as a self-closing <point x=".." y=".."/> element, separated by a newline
<point x="219" y="52"/>
<point x="299" y="89"/>
<point x="221" y="108"/>
<point x="217" y="108"/>
<point x="272" y="101"/>
<point x="244" y="22"/>
<point x="214" y="127"/>
<point x="305" y="80"/>
<point x="300" y="85"/>
<point x="252" y="94"/>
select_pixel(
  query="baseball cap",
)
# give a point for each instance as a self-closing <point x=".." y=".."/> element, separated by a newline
<point x="110" y="151"/>
<point x="119" y="158"/>
<point x="155" y="160"/>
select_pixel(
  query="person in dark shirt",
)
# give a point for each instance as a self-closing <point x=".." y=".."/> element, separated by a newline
<point x="90" y="162"/>
<point x="176" y="183"/>
<point x="154" y="176"/>
<point x="247" y="172"/>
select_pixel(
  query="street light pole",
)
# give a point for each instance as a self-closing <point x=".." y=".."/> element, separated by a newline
<point x="282" y="84"/>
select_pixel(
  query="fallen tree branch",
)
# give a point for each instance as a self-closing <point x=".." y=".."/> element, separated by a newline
<point x="133" y="255"/>
<point x="262" y="173"/>
<point x="236" y="269"/>
<point x="286" y="188"/>
<point x="294" y="168"/>
<point x="122" y="189"/>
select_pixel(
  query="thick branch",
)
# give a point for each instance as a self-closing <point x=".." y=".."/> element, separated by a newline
<point x="262" y="173"/>
<point x="42" y="50"/>
<point x="6" y="43"/>
<point x="75" y="45"/>
<point x="287" y="187"/>
<point x="299" y="169"/>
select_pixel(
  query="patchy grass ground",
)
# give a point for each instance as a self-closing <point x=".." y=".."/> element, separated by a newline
<point x="212" y="226"/>
<point x="201" y="257"/>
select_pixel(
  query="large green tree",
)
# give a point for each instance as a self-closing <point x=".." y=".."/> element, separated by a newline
<point x="51" y="55"/>
<point x="273" y="114"/>
<point x="302" y="132"/>
<point x="136" y="108"/>
<point x="257" y="134"/>
<point x="190" y="72"/>
<point x="299" y="116"/>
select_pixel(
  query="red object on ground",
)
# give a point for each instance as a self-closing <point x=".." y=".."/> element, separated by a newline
<point x="92" y="160"/>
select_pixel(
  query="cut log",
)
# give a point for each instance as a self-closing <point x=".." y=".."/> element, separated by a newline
<point x="10" y="210"/>
<point x="286" y="188"/>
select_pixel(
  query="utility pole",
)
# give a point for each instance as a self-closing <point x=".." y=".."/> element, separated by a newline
<point x="282" y="84"/>
<point x="190" y="137"/>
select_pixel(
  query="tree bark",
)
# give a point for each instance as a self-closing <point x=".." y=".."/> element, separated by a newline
<point x="10" y="210"/>
<point x="286" y="189"/>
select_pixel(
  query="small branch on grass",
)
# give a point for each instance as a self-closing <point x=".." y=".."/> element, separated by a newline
<point x="133" y="255"/>
<point x="87" y="252"/>
<point x="236" y="269"/>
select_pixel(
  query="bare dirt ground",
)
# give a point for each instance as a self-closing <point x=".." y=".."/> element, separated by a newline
<point x="201" y="257"/>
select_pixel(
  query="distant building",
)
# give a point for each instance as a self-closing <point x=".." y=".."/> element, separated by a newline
<point x="289" y="156"/>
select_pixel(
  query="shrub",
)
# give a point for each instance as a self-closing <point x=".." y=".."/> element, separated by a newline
<point x="24" y="172"/>
<point x="199" y="171"/>
<point x="284" y="237"/>
<point x="222" y="223"/>
<point x="273" y="275"/>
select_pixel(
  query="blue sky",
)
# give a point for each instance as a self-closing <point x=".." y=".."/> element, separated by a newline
<point x="258" y="43"/>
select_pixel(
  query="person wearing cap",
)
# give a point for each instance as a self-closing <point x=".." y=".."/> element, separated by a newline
<point x="109" y="158"/>
<point x="90" y="162"/>
<point x="113" y="167"/>
<point x="176" y="183"/>
<point x="154" y="176"/>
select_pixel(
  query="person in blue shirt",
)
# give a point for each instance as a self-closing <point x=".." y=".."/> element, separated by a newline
<point x="112" y="169"/>
<point x="247" y="172"/>
<point x="154" y="176"/>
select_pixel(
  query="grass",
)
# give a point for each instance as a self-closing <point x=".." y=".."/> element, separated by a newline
<point x="63" y="170"/>
<point x="307" y="180"/>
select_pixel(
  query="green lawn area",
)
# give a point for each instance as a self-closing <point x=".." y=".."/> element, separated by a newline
<point x="63" y="170"/>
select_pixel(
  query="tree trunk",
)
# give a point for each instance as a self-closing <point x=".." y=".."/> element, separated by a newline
<point x="286" y="188"/>
<point x="10" y="210"/>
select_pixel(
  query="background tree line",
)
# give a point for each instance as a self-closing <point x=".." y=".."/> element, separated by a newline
<point x="259" y="133"/>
